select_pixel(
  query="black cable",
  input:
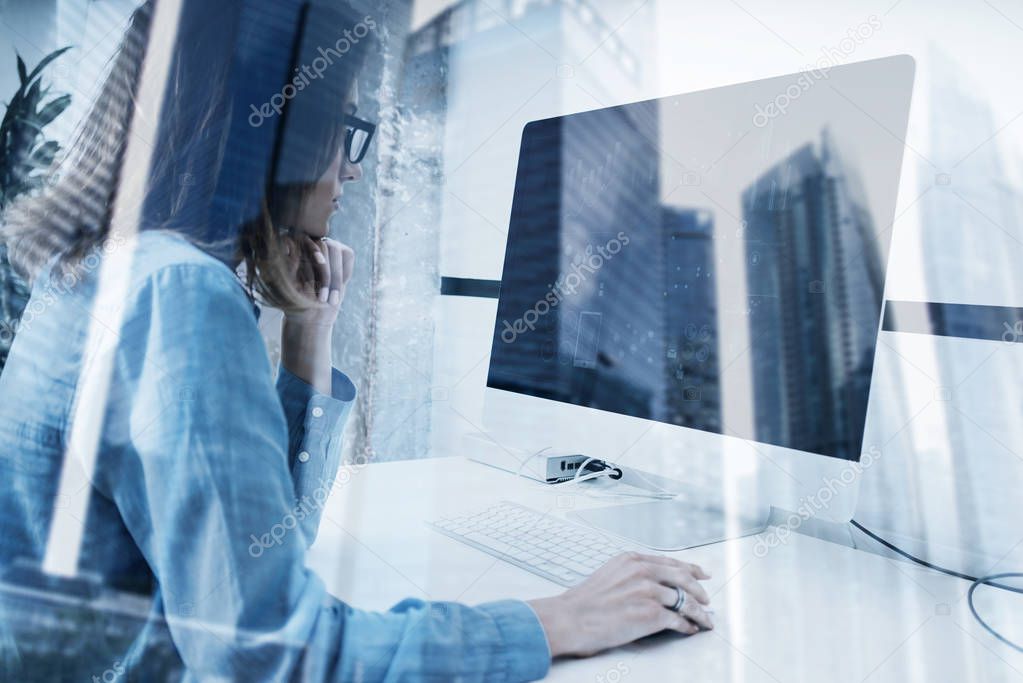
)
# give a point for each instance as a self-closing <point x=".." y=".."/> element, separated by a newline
<point x="602" y="466"/>
<point x="969" y="601"/>
<point x="976" y="581"/>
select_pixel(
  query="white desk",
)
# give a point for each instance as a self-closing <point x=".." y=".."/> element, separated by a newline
<point x="807" y="611"/>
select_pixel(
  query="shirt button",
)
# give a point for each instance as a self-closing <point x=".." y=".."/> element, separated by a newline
<point x="303" y="456"/>
<point x="317" y="411"/>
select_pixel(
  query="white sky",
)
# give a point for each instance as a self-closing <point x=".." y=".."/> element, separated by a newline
<point x="705" y="44"/>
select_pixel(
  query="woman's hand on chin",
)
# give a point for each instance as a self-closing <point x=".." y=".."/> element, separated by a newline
<point x="320" y="270"/>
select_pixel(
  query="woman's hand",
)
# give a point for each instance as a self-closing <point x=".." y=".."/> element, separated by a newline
<point x="628" y="598"/>
<point x="320" y="269"/>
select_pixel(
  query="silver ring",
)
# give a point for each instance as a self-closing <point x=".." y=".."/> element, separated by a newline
<point x="681" y="601"/>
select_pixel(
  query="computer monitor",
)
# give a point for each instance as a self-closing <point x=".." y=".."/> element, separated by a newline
<point x="693" y="285"/>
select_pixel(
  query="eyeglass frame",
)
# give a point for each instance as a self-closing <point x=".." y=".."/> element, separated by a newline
<point x="353" y="123"/>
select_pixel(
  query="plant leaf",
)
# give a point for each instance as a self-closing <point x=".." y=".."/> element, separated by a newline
<point x="46" y="60"/>
<point x="25" y="154"/>
<point x="53" y="109"/>
<point x="32" y="96"/>
<point x="44" y="154"/>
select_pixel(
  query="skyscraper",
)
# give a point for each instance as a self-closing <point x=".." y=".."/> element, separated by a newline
<point x="816" y="279"/>
<point x="474" y="75"/>
<point x="693" y="385"/>
<point x="584" y="262"/>
<point x="970" y="252"/>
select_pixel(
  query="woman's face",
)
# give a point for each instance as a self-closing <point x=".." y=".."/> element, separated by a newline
<point x="324" y="197"/>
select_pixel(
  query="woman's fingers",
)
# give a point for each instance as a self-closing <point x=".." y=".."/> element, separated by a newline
<point x="320" y="267"/>
<point x="677" y="622"/>
<point x="677" y="574"/>
<point x="348" y="261"/>
<point x="317" y="256"/>
<point x="337" y="281"/>
<point x="697" y="571"/>
<point x="666" y="595"/>
<point x="691" y="609"/>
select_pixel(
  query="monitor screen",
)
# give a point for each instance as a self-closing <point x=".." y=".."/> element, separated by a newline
<point x="714" y="260"/>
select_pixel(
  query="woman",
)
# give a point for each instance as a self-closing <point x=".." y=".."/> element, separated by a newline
<point x="200" y="454"/>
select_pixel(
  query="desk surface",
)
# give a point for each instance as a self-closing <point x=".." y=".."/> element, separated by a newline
<point x="807" y="611"/>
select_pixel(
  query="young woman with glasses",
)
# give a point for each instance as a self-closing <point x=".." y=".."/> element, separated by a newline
<point x="209" y="475"/>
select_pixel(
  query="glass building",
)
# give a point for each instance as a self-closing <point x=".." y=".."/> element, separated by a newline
<point x="815" y="276"/>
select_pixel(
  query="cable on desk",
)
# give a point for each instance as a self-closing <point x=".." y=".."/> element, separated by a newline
<point x="969" y="600"/>
<point x="598" y="469"/>
<point x="976" y="581"/>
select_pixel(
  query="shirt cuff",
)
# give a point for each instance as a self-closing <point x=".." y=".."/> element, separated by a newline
<point x="526" y="653"/>
<point x="316" y="424"/>
<point x="299" y="392"/>
<point x="314" y="419"/>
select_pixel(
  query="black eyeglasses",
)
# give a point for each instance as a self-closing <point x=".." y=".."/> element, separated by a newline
<point x="358" y="134"/>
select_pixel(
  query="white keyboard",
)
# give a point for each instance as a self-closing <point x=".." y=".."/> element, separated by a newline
<point x="560" y="551"/>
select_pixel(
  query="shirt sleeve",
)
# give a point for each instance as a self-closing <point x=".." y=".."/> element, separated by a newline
<point x="196" y="457"/>
<point x="316" y="424"/>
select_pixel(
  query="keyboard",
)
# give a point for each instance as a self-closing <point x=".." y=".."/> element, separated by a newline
<point x="547" y="546"/>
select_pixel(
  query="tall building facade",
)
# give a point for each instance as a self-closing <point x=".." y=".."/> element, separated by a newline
<point x="584" y="259"/>
<point x="971" y="246"/>
<point x="815" y="275"/>
<point x="474" y="76"/>
<point x="692" y="381"/>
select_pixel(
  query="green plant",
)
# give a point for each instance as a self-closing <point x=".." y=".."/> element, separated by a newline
<point x="25" y="157"/>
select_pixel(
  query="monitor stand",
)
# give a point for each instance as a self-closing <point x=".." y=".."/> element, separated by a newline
<point x="693" y="517"/>
<point x="669" y="525"/>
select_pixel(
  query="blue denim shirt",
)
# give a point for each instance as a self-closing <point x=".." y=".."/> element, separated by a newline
<point x="207" y="492"/>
